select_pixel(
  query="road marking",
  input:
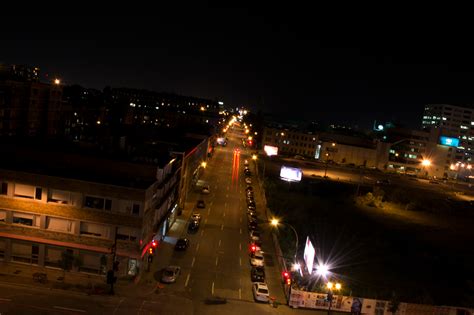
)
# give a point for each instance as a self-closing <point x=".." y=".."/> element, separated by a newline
<point x="223" y="214"/>
<point x="240" y="230"/>
<point x="118" y="305"/>
<point x="222" y="227"/>
<point x="197" y="247"/>
<point x="212" y="289"/>
<point x="194" y="260"/>
<point x="240" y="294"/>
<point x="217" y="260"/>
<point x="209" y="211"/>
<point x="227" y="196"/>
<point x="187" y="280"/>
<point x="225" y="205"/>
<point x="227" y="187"/>
<point x="6" y="300"/>
<point x="240" y="261"/>
<point x="205" y="221"/>
<point x="202" y="232"/>
<point x="70" y="309"/>
<point x="240" y="246"/>
<point x="219" y="243"/>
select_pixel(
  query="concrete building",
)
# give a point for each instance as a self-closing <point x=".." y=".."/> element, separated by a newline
<point x="453" y="122"/>
<point x="55" y="201"/>
<point x="291" y="141"/>
<point x="29" y="107"/>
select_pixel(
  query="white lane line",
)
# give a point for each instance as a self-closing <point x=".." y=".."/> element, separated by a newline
<point x="205" y="221"/>
<point x="219" y="243"/>
<point x="225" y="205"/>
<point x="202" y="232"/>
<point x="240" y="246"/>
<point x="209" y="211"/>
<point x="70" y="309"/>
<point x="223" y="214"/>
<point x="117" y="307"/>
<point x="227" y="196"/>
<point x="240" y="294"/>
<point x="197" y="247"/>
<point x="192" y="263"/>
<point x="240" y="230"/>
<point x="187" y="280"/>
<point x="212" y="289"/>
<point x="217" y="260"/>
<point x="6" y="300"/>
<point x="222" y="227"/>
<point x="227" y="187"/>
<point x="240" y="261"/>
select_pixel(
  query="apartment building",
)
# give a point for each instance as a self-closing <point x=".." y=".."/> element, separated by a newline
<point x="55" y="200"/>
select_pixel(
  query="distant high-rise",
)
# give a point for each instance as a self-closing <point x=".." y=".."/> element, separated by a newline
<point x="454" y="122"/>
<point x="19" y="73"/>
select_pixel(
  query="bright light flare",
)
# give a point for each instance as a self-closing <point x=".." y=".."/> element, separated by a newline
<point x="254" y="157"/>
<point x="330" y="285"/>
<point x="338" y="286"/>
<point x="296" y="267"/>
<point x="274" y="222"/>
<point x="57" y="81"/>
<point x="204" y="164"/>
<point x="322" y="270"/>
<point x="426" y="162"/>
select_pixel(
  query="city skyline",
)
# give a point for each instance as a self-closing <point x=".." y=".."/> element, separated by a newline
<point x="289" y="67"/>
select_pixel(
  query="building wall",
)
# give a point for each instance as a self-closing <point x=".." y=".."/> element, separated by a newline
<point x="348" y="154"/>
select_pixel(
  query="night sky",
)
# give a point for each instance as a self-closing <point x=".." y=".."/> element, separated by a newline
<point x="296" y="63"/>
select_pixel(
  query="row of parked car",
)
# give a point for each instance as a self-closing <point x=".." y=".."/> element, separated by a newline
<point x="257" y="261"/>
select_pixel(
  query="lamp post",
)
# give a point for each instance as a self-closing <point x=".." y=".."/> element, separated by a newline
<point x="425" y="163"/>
<point x="275" y="222"/>
<point x="332" y="286"/>
<point x="327" y="157"/>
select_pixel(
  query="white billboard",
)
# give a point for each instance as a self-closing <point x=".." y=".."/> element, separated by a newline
<point x="270" y="150"/>
<point x="308" y="255"/>
<point x="291" y="174"/>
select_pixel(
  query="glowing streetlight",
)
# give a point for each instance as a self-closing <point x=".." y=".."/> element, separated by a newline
<point x="330" y="285"/>
<point x="250" y="138"/>
<point x="57" y="81"/>
<point x="274" y="222"/>
<point x="322" y="270"/>
<point x="254" y="157"/>
<point x="202" y="108"/>
<point x="204" y="164"/>
<point x="338" y="286"/>
<point x="333" y="144"/>
<point x="426" y="162"/>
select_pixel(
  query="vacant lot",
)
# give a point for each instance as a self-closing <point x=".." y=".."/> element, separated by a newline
<point x="416" y="243"/>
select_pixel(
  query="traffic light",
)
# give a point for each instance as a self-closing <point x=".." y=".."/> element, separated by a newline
<point x="286" y="275"/>
<point x="151" y="250"/>
<point x="288" y="281"/>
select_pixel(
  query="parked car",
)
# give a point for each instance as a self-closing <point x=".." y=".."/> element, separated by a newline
<point x="257" y="274"/>
<point x="249" y="188"/>
<point x="260" y="292"/>
<point x="253" y="225"/>
<point x="196" y="216"/>
<point x="170" y="274"/>
<point x="182" y="244"/>
<point x="205" y="190"/>
<point x="257" y="260"/>
<point x="383" y="182"/>
<point x="248" y="180"/>
<point x="193" y="225"/>
<point x="200" y="204"/>
<point x="254" y="235"/>
<point x="246" y="162"/>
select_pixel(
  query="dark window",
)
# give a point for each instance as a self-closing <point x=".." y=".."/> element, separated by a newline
<point x="136" y="209"/>
<point x="108" y="204"/>
<point x="34" y="253"/>
<point x="38" y="193"/>
<point x="4" y="189"/>
<point x="93" y="202"/>
<point x="23" y="221"/>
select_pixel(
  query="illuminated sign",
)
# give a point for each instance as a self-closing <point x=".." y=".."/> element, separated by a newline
<point x="450" y="142"/>
<point x="291" y="174"/>
<point x="270" y="150"/>
<point x="308" y="255"/>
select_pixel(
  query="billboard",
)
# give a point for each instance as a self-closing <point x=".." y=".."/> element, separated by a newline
<point x="270" y="150"/>
<point x="291" y="174"/>
<point x="308" y="255"/>
<point x="449" y="141"/>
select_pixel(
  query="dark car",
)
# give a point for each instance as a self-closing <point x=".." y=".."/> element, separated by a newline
<point x="193" y="225"/>
<point x="182" y="244"/>
<point x="252" y="213"/>
<point x="257" y="274"/>
<point x="253" y="225"/>
<point x="383" y="182"/>
<point x="251" y="204"/>
<point x="200" y="204"/>
<point x="249" y="188"/>
<point x="251" y="219"/>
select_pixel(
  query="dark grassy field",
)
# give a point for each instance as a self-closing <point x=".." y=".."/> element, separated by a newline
<point x="419" y="245"/>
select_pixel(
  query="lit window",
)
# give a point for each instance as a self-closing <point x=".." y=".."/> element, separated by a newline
<point x="444" y="118"/>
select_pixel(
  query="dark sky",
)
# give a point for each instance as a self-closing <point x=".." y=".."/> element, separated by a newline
<point x="297" y="63"/>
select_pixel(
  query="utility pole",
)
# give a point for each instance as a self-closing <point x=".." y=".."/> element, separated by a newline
<point x="111" y="278"/>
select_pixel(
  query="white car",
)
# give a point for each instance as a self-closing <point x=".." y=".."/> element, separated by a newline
<point x="256" y="260"/>
<point x="205" y="190"/>
<point x="246" y="163"/>
<point x="260" y="291"/>
<point x="248" y="180"/>
<point x="254" y="236"/>
<point x="170" y="274"/>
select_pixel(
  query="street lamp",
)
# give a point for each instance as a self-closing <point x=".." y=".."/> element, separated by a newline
<point x="204" y="164"/>
<point x="254" y="157"/>
<point x="275" y="222"/>
<point x="331" y="286"/>
<point x="57" y="81"/>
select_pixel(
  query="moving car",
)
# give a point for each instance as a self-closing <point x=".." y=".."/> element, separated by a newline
<point x="260" y="292"/>
<point x="193" y="225"/>
<point x="182" y="244"/>
<point x="196" y="216"/>
<point x="205" y="190"/>
<point x="200" y="204"/>
<point x="256" y="260"/>
<point x="249" y="188"/>
<point x="246" y="162"/>
<point x="253" y="225"/>
<point x="383" y="182"/>
<point x="170" y="274"/>
<point x="248" y="180"/>
<point x="257" y="274"/>
<point x="254" y="235"/>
